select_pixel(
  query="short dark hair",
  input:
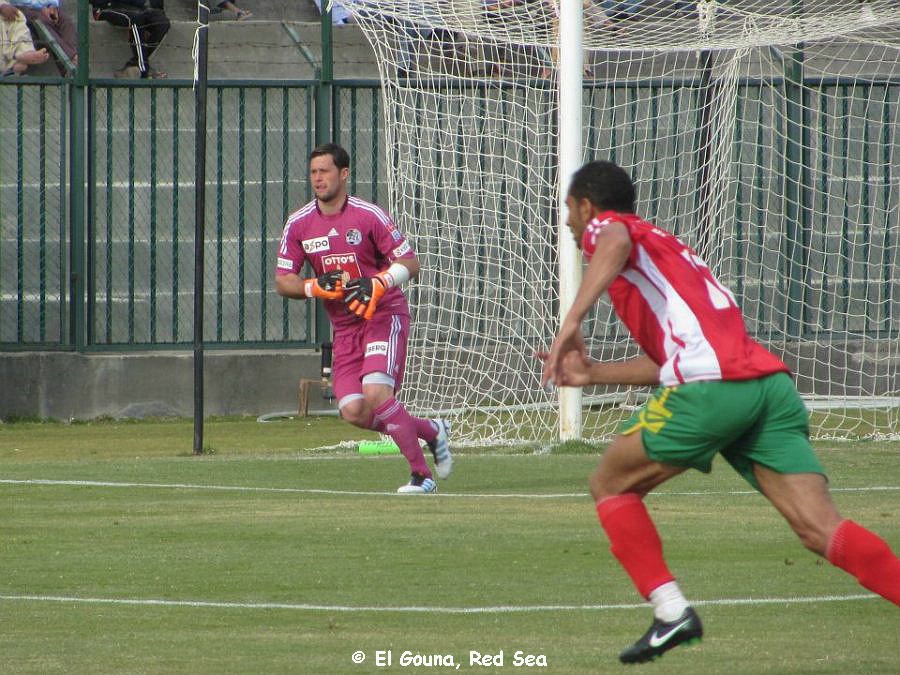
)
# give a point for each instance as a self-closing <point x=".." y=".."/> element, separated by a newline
<point x="340" y="156"/>
<point x="606" y="185"/>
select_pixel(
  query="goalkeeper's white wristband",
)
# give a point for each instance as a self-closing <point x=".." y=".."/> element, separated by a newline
<point x="395" y="275"/>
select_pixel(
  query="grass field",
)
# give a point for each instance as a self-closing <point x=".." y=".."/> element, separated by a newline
<point x="122" y="553"/>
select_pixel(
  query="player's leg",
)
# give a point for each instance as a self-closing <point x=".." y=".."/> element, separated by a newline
<point x="624" y="476"/>
<point x="381" y="335"/>
<point x="804" y="501"/>
<point x="365" y="401"/>
<point x="383" y="367"/>
<point x="393" y="419"/>
<point x="678" y="428"/>
<point x="780" y="461"/>
<point x="435" y="432"/>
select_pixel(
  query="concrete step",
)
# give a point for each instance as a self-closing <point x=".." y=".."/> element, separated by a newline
<point x="185" y="12"/>
<point x="263" y="10"/>
<point x="241" y="50"/>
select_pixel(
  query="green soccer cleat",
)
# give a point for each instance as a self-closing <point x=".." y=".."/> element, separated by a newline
<point x="662" y="636"/>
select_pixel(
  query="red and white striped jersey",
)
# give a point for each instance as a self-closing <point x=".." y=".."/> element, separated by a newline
<point x="677" y="311"/>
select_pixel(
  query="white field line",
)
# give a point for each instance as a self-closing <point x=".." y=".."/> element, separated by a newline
<point x="498" y="609"/>
<point x="362" y="493"/>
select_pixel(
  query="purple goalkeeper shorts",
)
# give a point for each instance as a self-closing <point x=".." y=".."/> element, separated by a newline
<point x="374" y="346"/>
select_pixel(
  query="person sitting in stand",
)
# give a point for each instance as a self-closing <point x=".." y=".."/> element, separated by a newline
<point x="49" y="13"/>
<point x="17" y="51"/>
<point x="239" y="14"/>
<point x="147" y="24"/>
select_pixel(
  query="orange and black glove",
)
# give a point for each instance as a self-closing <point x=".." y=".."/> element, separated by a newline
<point x="364" y="293"/>
<point x="329" y="286"/>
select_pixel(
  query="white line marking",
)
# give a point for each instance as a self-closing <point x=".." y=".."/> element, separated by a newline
<point x="499" y="609"/>
<point x="247" y="488"/>
<point x="362" y="493"/>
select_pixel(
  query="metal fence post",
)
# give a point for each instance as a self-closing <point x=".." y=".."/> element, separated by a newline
<point x="78" y="269"/>
<point x="323" y="134"/>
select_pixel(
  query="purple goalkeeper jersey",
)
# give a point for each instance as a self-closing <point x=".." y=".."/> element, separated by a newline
<point x="361" y="239"/>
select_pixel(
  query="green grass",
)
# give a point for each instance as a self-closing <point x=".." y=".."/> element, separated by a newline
<point x="484" y="542"/>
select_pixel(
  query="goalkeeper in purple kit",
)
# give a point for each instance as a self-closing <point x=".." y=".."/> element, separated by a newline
<point x="361" y="261"/>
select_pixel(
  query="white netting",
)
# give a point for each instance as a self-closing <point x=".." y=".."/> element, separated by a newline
<point x="763" y="134"/>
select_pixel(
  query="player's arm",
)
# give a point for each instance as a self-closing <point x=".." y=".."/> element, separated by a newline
<point x="411" y="264"/>
<point x="612" y="250"/>
<point x="577" y="370"/>
<point x="613" y="246"/>
<point x="362" y="294"/>
<point x="291" y="257"/>
<point x="639" y="371"/>
<point x="328" y="286"/>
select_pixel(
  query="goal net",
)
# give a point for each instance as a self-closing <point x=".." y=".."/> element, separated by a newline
<point x="762" y="133"/>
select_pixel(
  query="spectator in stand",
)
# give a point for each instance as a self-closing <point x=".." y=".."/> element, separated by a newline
<point x="147" y="24"/>
<point x="626" y="10"/>
<point x="59" y="23"/>
<point x="239" y="14"/>
<point x="17" y="51"/>
<point x="538" y="15"/>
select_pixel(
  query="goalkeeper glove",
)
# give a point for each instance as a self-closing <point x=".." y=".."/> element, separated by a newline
<point x="329" y="286"/>
<point x="364" y="293"/>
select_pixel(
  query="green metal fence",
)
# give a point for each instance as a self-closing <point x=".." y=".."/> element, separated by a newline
<point x="141" y="212"/>
<point x="33" y="207"/>
<point x="124" y="280"/>
<point x="811" y="248"/>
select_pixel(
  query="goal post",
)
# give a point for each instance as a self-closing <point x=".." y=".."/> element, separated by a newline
<point x="764" y="134"/>
<point x="571" y="156"/>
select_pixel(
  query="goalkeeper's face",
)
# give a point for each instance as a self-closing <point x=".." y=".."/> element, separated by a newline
<point x="329" y="183"/>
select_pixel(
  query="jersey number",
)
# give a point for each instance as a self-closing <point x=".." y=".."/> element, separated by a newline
<point x="719" y="296"/>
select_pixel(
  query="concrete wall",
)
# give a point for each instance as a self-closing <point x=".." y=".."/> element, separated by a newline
<point x="69" y="386"/>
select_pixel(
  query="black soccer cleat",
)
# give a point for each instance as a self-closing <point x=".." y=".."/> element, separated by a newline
<point x="662" y="636"/>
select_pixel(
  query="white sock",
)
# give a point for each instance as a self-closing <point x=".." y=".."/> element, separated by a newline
<point x="668" y="602"/>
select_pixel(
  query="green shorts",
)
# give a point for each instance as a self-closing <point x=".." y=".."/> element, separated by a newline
<point x="760" y="421"/>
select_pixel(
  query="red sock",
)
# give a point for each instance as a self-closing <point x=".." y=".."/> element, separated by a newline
<point x="634" y="541"/>
<point x="398" y="424"/>
<point x="867" y="557"/>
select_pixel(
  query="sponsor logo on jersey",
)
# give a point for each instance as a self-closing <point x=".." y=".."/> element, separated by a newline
<point x="354" y="237"/>
<point x="285" y="264"/>
<point x="316" y="245"/>
<point x="333" y="232"/>
<point x="341" y="261"/>
<point x="402" y="249"/>
<point x="377" y="349"/>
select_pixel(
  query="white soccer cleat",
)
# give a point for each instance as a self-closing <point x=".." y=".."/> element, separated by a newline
<point x="418" y="485"/>
<point x="440" y="449"/>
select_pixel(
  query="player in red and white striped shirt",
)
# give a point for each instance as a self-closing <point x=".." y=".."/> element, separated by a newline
<point x="721" y="393"/>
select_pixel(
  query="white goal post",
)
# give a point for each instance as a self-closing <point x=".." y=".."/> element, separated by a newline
<point x="765" y="134"/>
